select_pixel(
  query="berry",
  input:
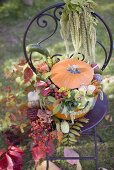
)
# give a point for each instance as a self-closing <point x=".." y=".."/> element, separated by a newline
<point x="32" y="113"/>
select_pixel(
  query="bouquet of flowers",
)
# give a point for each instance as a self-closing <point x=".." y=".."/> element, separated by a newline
<point x="47" y="108"/>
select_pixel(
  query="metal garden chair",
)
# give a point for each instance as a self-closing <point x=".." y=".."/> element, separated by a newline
<point x="100" y="109"/>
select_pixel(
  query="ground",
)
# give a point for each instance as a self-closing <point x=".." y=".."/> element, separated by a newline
<point x="15" y="17"/>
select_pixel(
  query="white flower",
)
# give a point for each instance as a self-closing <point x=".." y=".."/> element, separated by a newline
<point x="77" y="94"/>
<point x="65" y="110"/>
<point x="58" y="127"/>
<point x="83" y="103"/>
<point x="65" y="127"/>
<point x="33" y="96"/>
<point x="82" y="89"/>
<point x="90" y="89"/>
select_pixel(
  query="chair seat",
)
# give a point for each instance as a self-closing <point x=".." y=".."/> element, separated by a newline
<point x="96" y="114"/>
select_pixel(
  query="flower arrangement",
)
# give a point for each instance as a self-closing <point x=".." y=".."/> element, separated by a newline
<point x="53" y="112"/>
<point x="60" y="94"/>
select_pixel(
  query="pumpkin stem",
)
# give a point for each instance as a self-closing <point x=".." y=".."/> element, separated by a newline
<point x="74" y="69"/>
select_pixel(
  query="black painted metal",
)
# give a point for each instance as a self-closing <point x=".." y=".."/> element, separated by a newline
<point x="94" y="158"/>
<point x="56" y="11"/>
<point x="96" y="148"/>
<point x="55" y="15"/>
<point x="110" y="40"/>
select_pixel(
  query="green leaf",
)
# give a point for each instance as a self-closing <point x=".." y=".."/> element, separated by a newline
<point x="72" y="94"/>
<point x="72" y="140"/>
<point x="74" y="132"/>
<point x="74" y="1"/>
<point x="79" y="124"/>
<point x="66" y="135"/>
<point x="84" y="120"/>
<point x="57" y="108"/>
<point x="46" y="75"/>
<point x="76" y="127"/>
<point x="64" y="140"/>
<point x="51" y="99"/>
<point x="72" y="135"/>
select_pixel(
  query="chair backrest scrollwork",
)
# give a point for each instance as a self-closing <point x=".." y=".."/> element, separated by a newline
<point x="55" y="15"/>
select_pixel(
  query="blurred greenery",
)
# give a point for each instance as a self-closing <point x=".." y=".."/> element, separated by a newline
<point x="14" y="17"/>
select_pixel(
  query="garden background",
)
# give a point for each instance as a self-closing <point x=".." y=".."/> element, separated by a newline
<point x="14" y="17"/>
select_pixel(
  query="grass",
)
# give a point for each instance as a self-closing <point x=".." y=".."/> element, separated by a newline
<point x="15" y="16"/>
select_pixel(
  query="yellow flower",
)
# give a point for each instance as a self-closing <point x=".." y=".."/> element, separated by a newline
<point x="62" y="89"/>
<point x="68" y="94"/>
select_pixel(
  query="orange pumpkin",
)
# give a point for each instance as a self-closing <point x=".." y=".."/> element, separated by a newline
<point x="63" y="116"/>
<point x="71" y="73"/>
<point x="80" y="113"/>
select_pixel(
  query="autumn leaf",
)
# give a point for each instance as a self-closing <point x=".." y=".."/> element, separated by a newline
<point x="38" y="153"/>
<point x="28" y="73"/>
<point x="12" y="159"/>
<point x="22" y="62"/>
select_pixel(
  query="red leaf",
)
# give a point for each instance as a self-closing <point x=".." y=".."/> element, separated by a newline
<point x="12" y="159"/>
<point x="17" y="159"/>
<point x="15" y="154"/>
<point x="3" y="163"/>
<point x="51" y="147"/>
<point x="10" y="162"/>
<point x="28" y="73"/>
<point x="16" y="149"/>
<point x="1" y="152"/>
<point x="7" y="89"/>
<point x="37" y="153"/>
<point x="22" y="62"/>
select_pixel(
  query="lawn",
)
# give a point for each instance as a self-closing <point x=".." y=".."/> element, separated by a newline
<point x="15" y="16"/>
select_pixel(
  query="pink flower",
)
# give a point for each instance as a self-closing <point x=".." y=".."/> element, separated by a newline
<point x="41" y="84"/>
<point x="46" y="91"/>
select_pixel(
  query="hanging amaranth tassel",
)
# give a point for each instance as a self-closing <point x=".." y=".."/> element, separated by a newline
<point x="77" y="21"/>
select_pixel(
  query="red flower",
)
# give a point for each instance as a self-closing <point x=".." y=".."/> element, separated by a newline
<point x="11" y="159"/>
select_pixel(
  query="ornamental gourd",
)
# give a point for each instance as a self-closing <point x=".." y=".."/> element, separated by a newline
<point x="71" y="73"/>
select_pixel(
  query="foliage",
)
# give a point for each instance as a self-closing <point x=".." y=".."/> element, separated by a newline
<point x="12" y="52"/>
<point x="74" y="132"/>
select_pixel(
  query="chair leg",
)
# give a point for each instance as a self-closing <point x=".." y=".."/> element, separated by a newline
<point x="47" y="164"/>
<point x="96" y="149"/>
<point x="100" y="139"/>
